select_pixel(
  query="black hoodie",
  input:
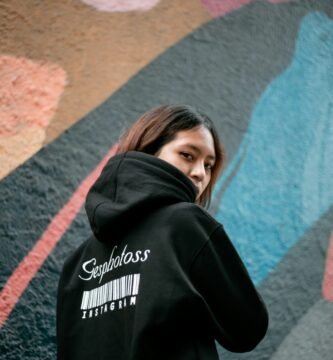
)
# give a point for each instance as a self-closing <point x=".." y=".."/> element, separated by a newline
<point x="159" y="279"/>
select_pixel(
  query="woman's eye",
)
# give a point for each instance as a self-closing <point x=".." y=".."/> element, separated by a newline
<point x="187" y="155"/>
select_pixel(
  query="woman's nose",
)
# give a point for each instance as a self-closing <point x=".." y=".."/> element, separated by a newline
<point x="198" y="171"/>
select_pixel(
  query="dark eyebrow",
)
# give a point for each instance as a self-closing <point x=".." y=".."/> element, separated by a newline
<point x="195" y="148"/>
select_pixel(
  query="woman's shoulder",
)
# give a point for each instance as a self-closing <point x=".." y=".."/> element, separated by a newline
<point x="186" y="214"/>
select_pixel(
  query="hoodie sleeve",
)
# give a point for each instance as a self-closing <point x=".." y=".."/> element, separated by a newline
<point x="239" y="316"/>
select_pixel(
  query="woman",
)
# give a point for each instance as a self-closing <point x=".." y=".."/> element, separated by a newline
<point x="159" y="279"/>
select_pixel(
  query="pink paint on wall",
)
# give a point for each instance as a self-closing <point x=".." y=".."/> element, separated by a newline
<point x="279" y="1"/>
<point x="29" y="93"/>
<point x="28" y="267"/>
<point x="328" y="276"/>
<point x="221" y="7"/>
<point x="29" y="96"/>
<point x="122" y="5"/>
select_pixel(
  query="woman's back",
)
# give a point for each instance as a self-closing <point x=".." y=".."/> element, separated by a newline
<point x="160" y="278"/>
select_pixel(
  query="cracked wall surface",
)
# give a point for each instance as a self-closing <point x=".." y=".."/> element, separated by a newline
<point x="75" y="74"/>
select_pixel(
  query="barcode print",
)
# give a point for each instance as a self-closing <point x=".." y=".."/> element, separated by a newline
<point x="113" y="290"/>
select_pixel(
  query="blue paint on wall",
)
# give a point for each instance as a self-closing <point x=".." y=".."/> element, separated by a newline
<point x="284" y="182"/>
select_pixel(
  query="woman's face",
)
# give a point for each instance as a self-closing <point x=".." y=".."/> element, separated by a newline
<point x="192" y="152"/>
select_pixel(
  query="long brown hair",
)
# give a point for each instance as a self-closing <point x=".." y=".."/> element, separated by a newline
<point x="159" y="126"/>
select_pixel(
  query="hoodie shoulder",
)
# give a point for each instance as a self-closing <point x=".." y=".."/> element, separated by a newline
<point x="193" y="215"/>
<point x="190" y="228"/>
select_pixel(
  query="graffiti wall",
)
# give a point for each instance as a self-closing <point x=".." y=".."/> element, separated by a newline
<point x="75" y="74"/>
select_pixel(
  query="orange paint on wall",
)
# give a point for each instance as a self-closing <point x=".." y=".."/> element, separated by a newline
<point x="29" y="96"/>
<point x="100" y="51"/>
<point x="328" y="276"/>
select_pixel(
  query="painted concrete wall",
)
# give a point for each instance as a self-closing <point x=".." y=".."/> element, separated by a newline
<point x="74" y="74"/>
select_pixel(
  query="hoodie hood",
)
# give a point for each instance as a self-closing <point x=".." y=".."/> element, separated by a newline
<point x="130" y="186"/>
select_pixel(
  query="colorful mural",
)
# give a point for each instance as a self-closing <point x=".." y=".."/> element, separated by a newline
<point x="74" y="75"/>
